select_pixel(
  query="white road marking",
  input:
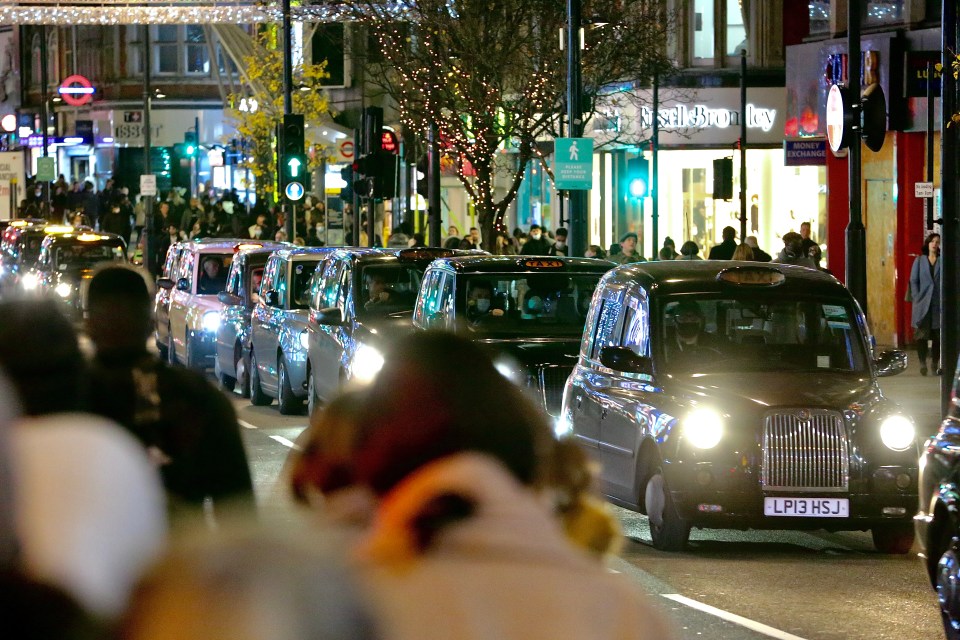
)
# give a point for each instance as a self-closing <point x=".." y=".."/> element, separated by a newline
<point x="753" y="625"/>
<point x="246" y="425"/>
<point x="285" y="442"/>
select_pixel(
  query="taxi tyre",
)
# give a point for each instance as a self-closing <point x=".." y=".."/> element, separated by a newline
<point x="242" y="367"/>
<point x="228" y="383"/>
<point x="257" y="397"/>
<point x="312" y="400"/>
<point x="668" y="531"/>
<point x="946" y="585"/>
<point x="895" y="538"/>
<point x="287" y="402"/>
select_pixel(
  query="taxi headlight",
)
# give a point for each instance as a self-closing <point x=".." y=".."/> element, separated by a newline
<point x="703" y="428"/>
<point x="367" y="363"/>
<point x="304" y="339"/>
<point x="63" y="290"/>
<point x="897" y="432"/>
<point x="210" y="321"/>
<point x="30" y="281"/>
<point x="562" y="426"/>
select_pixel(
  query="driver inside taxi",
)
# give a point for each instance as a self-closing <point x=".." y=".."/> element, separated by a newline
<point x="377" y="290"/>
<point x="479" y="301"/>
<point x="256" y="277"/>
<point x="690" y="339"/>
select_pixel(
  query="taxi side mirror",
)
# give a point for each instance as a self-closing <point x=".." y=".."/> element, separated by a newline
<point x="229" y="299"/>
<point x="165" y="283"/>
<point x="623" y="359"/>
<point x="890" y="363"/>
<point x="271" y="298"/>
<point x="332" y="316"/>
<point x="183" y="284"/>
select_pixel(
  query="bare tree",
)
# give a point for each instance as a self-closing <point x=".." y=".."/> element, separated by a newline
<point x="491" y="75"/>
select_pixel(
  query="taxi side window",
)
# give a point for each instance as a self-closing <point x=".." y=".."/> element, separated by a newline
<point x="608" y="322"/>
<point x="233" y="279"/>
<point x="187" y="264"/>
<point x="419" y="309"/>
<point x="636" y="323"/>
<point x="433" y="300"/>
<point x="270" y="275"/>
<point x="445" y="315"/>
<point x="343" y="290"/>
<point x="330" y="287"/>
<point x="281" y="282"/>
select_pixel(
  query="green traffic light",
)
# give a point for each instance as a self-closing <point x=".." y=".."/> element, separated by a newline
<point x="293" y="167"/>
<point x="190" y="149"/>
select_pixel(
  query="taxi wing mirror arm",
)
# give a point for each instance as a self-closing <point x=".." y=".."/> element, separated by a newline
<point x="624" y="359"/>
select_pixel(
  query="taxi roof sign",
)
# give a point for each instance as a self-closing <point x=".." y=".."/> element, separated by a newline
<point x="90" y="237"/>
<point x="752" y="276"/>
<point x="58" y="228"/>
<point x="542" y="263"/>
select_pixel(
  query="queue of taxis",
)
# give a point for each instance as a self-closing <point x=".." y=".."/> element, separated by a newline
<point x="278" y="329"/>
<point x="187" y="310"/>
<point x="738" y="395"/>
<point x="232" y="361"/>
<point x="363" y="299"/>
<point x="66" y="264"/>
<point x="19" y="250"/>
<point x="530" y="309"/>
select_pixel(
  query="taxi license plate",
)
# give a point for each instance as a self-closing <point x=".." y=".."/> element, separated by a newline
<point x="807" y="507"/>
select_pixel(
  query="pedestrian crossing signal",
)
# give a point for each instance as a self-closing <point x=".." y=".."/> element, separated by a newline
<point x="638" y="177"/>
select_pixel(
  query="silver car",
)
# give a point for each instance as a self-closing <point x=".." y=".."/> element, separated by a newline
<point x="278" y="349"/>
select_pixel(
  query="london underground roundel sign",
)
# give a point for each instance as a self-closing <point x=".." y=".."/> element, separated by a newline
<point x="76" y="91"/>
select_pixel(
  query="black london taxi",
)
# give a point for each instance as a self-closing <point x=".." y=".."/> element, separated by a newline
<point x="736" y="395"/>
<point x="938" y="519"/>
<point x="363" y="299"/>
<point x="232" y="361"/>
<point x="531" y="310"/>
<point x="67" y="262"/>
<point x="19" y="250"/>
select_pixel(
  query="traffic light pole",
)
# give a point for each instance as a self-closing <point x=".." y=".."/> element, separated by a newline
<point x="289" y="208"/>
<point x="149" y="259"/>
<point x="577" y="198"/>
<point x="433" y="185"/>
<point x="856" y="236"/>
<point x="743" y="146"/>
<point x="950" y="227"/>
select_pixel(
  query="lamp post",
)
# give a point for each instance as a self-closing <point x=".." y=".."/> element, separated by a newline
<point x="856" y="236"/>
<point x="147" y="201"/>
<point x="577" y="199"/>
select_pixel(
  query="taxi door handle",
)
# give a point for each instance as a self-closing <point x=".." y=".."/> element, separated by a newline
<point x="579" y="401"/>
<point x="603" y="413"/>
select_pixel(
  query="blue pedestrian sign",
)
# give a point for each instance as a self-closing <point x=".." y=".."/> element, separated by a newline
<point x="294" y="191"/>
<point x="573" y="163"/>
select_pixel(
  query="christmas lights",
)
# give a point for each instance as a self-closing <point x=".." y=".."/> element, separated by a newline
<point x="104" y="12"/>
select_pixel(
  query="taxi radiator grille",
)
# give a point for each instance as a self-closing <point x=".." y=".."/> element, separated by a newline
<point x="805" y="450"/>
<point x="552" y="381"/>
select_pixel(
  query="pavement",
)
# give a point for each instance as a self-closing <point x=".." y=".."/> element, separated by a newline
<point x="918" y="395"/>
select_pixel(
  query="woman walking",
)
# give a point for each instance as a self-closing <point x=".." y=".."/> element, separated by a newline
<point x="925" y="295"/>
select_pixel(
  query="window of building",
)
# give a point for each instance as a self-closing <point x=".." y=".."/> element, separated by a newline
<point x="225" y="62"/>
<point x="819" y="16"/>
<point x="198" y="55"/>
<point x="165" y="48"/>
<point x="719" y="25"/>
<point x="879" y="12"/>
<point x="736" y="34"/>
<point x="703" y="30"/>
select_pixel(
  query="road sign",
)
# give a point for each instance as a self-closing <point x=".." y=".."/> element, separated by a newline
<point x="923" y="189"/>
<point x="573" y="163"/>
<point x="148" y="185"/>
<point x="345" y="151"/>
<point x="46" y="170"/>
<point x="76" y="91"/>
<point x="294" y="191"/>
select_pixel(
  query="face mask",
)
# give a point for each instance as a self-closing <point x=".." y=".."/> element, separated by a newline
<point x="483" y="305"/>
<point x="688" y="330"/>
<point x="534" y="236"/>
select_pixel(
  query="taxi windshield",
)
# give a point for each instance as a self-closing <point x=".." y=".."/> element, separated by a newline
<point x="760" y="331"/>
<point x="388" y="288"/>
<point x="85" y="256"/>
<point x="546" y="304"/>
<point x="31" y="247"/>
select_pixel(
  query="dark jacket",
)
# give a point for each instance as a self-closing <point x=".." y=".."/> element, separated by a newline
<point x="723" y="251"/>
<point x="535" y="247"/>
<point x="187" y="419"/>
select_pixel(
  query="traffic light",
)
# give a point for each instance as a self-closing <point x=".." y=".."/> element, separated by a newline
<point x="380" y="168"/>
<point x="723" y="179"/>
<point x="638" y="177"/>
<point x="292" y="158"/>
<point x="346" y="192"/>
<point x="190" y="143"/>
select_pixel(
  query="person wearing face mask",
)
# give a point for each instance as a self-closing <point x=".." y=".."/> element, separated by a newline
<point x="535" y="245"/>
<point x="690" y="343"/>
<point x="559" y="247"/>
<point x="479" y="300"/>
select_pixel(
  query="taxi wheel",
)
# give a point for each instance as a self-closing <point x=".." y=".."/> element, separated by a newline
<point x="667" y="529"/>
<point x="289" y="404"/>
<point x="947" y="584"/>
<point x="228" y="383"/>
<point x="242" y="368"/>
<point x="257" y="397"/>
<point x="171" y="349"/>
<point x="893" y="538"/>
<point x="312" y="400"/>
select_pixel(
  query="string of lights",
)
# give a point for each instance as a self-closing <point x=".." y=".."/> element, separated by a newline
<point x="100" y="12"/>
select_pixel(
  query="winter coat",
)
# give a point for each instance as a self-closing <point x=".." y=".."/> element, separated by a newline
<point x="925" y="292"/>
<point x="785" y="257"/>
<point x="533" y="247"/>
<point x="506" y="571"/>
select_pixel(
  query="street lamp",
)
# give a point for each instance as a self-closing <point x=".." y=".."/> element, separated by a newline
<point x="577" y="199"/>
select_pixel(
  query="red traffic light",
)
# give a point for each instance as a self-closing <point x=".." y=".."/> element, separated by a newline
<point x="388" y="141"/>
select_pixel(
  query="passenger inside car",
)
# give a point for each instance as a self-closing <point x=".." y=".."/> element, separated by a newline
<point x="256" y="277"/>
<point x="213" y="278"/>
<point x="480" y="303"/>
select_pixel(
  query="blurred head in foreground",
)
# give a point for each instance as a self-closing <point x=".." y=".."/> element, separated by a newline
<point x="248" y="587"/>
